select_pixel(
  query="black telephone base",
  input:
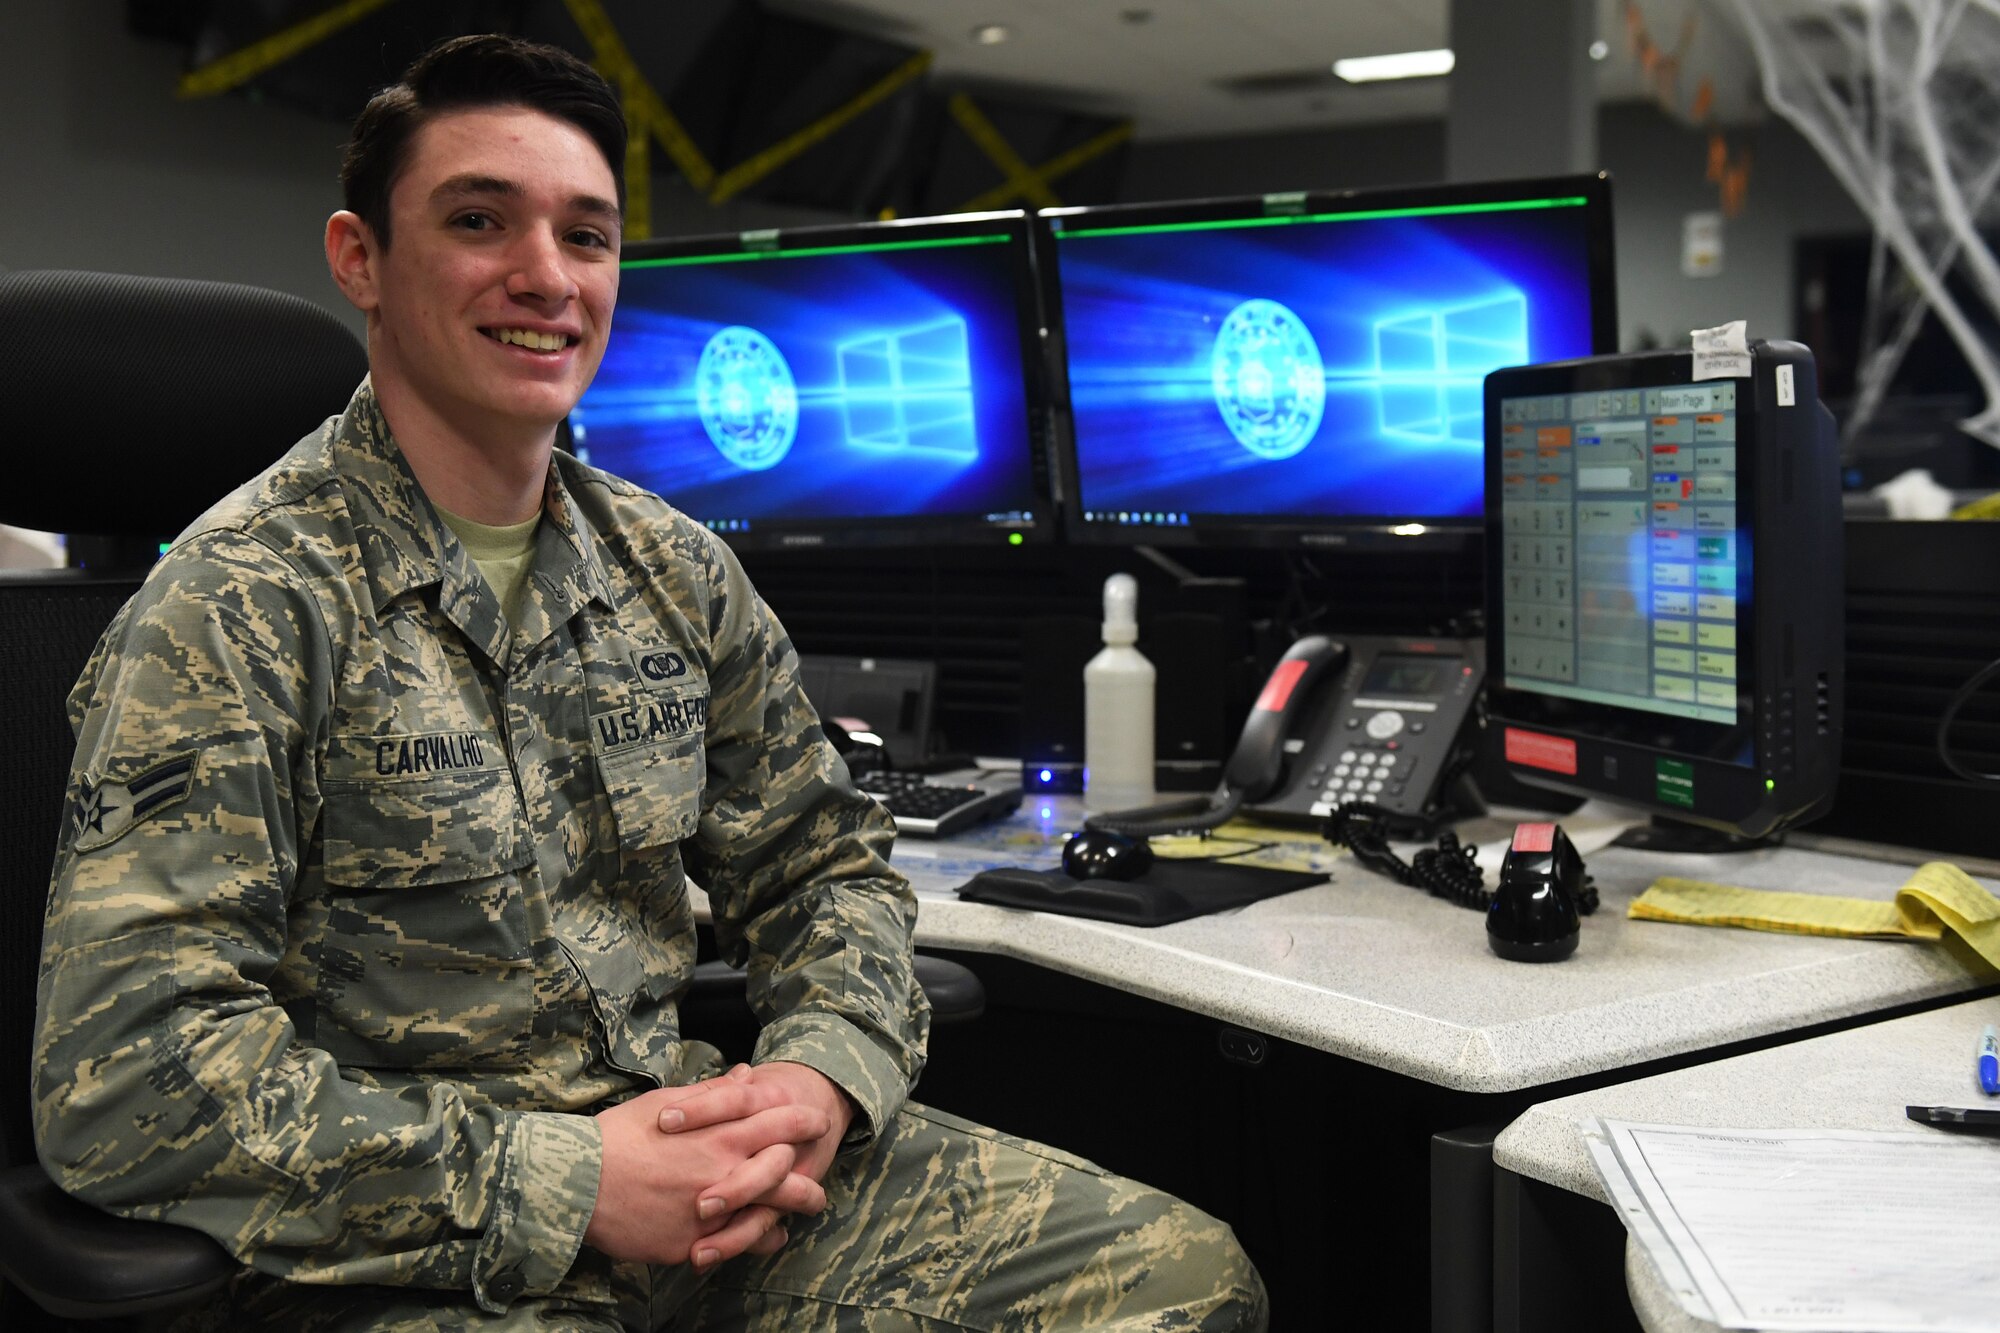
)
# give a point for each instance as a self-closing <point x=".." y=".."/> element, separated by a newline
<point x="1389" y="721"/>
<point x="1461" y="800"/>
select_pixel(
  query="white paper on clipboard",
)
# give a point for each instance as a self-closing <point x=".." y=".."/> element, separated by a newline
<point x="1722" y="352"/>
<point x="1814" y="1229"/>
<point x="1632" y="1209"/>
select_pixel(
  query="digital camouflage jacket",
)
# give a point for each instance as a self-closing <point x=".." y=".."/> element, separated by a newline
<point x="365" y="899"/>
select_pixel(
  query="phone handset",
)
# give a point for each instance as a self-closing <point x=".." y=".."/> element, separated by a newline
<point x="1256" y="766"/>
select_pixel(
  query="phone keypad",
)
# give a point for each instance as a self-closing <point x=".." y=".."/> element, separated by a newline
<point x="1364" y="772"/>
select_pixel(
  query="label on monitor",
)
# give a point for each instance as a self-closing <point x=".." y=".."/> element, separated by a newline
<point x="1535" y="750"/>
<point x="1673" y="782"/>
<point x="1722" y="350"/>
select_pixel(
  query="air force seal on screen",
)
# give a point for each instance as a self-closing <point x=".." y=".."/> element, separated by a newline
<point x="748" y="400"/>
<point x="1270" y="384"/>
<point x="102" y="812"/>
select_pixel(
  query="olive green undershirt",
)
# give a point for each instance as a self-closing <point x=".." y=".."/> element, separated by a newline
<point x="505" y="555"/>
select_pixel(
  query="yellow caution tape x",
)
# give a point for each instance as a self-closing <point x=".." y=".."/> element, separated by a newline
<point x="647" y="118"/>
<point x="1023" y="180"/>
<point x="242" y="65"/>
<point x="737" y="178"/>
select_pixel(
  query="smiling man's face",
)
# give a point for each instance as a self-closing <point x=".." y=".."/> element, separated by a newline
<point x="489" y="312"/>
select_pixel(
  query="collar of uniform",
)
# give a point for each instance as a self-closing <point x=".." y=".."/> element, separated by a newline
<point x="393" y="520"/>
<point x="566" y="570"/>
<point x="400" y="534"/>
<point x="584" y="579"/>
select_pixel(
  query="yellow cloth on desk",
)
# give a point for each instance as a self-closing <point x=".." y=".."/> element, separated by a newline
<point x="1938" y="898"/>
<point x="1246" y="843"/>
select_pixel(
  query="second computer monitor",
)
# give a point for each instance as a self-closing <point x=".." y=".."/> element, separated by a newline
<point x="871" y="384"/>
<point x="1308" y="369"/>
<point x="1664" y="601"/>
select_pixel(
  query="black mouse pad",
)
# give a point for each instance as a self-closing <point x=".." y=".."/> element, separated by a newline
<point x="1170" y="891"/>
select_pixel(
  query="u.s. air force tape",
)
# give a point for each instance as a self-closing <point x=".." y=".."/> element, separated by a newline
<point x="102" y="812"/>
<point x="649" y="721"/>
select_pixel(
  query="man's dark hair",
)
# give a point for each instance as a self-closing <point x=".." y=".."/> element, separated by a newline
<point x="464" y="73"/>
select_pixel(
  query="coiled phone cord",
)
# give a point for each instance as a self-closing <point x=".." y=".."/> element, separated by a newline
<point x="1449" y="870"/>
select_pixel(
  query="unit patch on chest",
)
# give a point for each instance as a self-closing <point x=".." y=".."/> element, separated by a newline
<point x="657" y="666"/>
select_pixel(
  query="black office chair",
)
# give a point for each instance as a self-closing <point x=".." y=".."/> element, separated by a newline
<point x="131" y="405"/>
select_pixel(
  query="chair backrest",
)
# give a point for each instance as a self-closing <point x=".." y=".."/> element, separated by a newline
<point x="128" y="406"/>
<point x="49" y="620"/>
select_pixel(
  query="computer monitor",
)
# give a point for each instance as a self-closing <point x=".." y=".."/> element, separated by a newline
<point x="1664" y="584"/>
<point x="862" y="385"/>
<point x="1305" y="369"/>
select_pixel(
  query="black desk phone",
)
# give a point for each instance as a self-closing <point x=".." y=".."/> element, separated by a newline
<point x="1382" y="721"/>
<point x="1361" y="717"/>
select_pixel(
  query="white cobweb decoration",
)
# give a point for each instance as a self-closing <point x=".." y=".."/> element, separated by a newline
<point x="1902" y="99"/>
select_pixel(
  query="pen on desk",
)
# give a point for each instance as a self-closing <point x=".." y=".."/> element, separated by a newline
<point x="1989" y="1063"/>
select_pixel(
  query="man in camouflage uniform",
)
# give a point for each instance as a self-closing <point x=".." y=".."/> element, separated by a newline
<point x="372" y="905"/>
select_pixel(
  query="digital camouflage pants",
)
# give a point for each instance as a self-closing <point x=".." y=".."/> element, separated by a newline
<point x="941" y="1226"/>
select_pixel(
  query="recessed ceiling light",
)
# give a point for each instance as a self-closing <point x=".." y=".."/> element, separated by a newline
<point x="991" y="34"/>
<point x="1599" y="49"/>
<point x="1402" y="65"/>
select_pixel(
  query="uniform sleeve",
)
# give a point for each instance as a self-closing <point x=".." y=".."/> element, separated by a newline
<point x="795" y="863"/>
<point x="169" y="1082"/>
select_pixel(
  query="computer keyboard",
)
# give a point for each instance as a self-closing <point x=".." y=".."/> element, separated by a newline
<point x="940" y="804"/>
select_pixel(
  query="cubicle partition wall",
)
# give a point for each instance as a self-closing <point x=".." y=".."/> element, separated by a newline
<point x="1923" y="615"/>
<point x="970" y="610"/>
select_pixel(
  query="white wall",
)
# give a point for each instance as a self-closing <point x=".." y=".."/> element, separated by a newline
<point x="106" y="169"/>
<point x="1657" y="167"/>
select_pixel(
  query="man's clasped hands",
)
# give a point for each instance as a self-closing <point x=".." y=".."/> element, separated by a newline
<point x="705" y="1172"/>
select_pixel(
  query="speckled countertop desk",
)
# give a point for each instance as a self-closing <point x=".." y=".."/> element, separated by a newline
<point x="1368" y="969"/>
<point x="1857" y="1079"/>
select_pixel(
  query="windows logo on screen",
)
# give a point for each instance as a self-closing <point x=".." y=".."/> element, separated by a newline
<point x="1431" y="367"/>
<point x="911" y="389"/>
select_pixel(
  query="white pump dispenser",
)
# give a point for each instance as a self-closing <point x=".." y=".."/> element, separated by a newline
<point x="1118" y="708"/>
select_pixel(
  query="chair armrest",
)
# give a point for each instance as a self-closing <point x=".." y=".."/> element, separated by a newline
<point x="79" y="1262"/>
<point x="954" y="990"/>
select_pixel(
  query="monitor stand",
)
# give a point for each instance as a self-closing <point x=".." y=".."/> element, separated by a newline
<point x="1662" y="834"/>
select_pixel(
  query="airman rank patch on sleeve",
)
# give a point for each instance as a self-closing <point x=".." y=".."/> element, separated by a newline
<point x="102" y="812"/>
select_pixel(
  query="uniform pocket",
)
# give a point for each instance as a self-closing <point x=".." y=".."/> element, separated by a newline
<point x="655" y="793"/>
<point x="384" y="835"/>
<point x="427" y="957"/>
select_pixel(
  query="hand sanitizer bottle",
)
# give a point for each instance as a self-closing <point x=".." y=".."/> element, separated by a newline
<point x="1118" y="708"/>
